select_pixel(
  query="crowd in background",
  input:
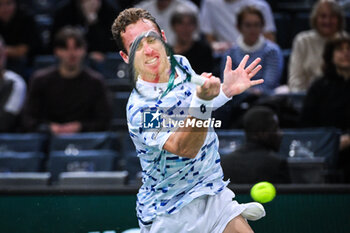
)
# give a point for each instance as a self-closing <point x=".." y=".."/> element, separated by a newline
<point x="72" y="96"/>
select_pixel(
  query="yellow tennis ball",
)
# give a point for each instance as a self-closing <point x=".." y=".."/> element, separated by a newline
<point x="263" y="192"/>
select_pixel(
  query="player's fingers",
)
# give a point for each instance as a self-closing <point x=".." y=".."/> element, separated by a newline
<point x="243" y="62"/>
<point x="253" y="72"/>
<point x="207" y="75"/>
<point x="256" y="82"/>
<point x="253" y="65"/>
<point x="228" y="66"/>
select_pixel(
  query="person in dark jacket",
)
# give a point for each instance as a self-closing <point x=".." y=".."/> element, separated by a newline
<point x="19" y="30"/>
<point x="69" y="98"/>
<point x="327" y="101"/>
<point x="257" y="160"/>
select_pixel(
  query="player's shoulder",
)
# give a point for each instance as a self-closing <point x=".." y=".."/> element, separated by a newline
<point x="184" y="62"/>
<point x="181" y="59"/>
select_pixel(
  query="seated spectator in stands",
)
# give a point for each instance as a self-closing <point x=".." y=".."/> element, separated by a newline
<point x="218" y="20"/>
<point x="68" y="98"/>
<point x="162" y="10"/>
<point x="327" y="101"/>
<point x="257" y="159"/>
<point x="327" y="22"/>
<point x="250" y="23"/>
<point x="19" y="31"/>
<point x="12" y="94"/>
<point x="95" y="18"/>
<point x="185" y="23"/>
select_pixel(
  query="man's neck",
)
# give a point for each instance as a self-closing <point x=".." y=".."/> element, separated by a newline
<point x="69" y="73"/>
<point x="182" y="46"/>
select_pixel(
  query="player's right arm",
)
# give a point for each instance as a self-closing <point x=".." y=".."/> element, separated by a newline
<point x="187" y="141"/>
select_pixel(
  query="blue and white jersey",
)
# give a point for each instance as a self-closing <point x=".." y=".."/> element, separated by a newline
<point x="170" y="181"/>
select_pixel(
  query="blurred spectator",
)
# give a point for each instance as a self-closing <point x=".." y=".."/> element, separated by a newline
<point x="250" y="23"/>
<point x="162" y="10"/>
<point x="68" y="98"/>
<point x="327" y="22"/>
<point x="218" y="21"/>
<point x="12" y="94"/>
<point x="185" y="23"/>
<point x="327" y="101"/>
<point x="20" y="33"/>
<point x="257" y="159"/>
<point x="95" y="18"/>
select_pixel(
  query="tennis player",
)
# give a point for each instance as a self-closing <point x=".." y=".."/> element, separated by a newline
<point x="183" y="188"/>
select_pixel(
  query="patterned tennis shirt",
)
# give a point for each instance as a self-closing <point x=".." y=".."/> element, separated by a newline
<point x="170" y="181"/>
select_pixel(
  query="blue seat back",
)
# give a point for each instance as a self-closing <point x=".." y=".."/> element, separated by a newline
<point x="84" y="160"/>
<point x="229" y="140"/>
<point x="322" y="142"/>
<point x="85" y="141"/>
<point x="21" y="161"/>
<point x="32" y="142"/>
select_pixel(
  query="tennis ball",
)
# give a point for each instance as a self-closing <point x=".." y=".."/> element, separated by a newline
<point x="263" y="192"/>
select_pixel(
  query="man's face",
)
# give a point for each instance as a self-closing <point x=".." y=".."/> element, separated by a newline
<point x="251" y="28"/>
<point x="7" y="9"/>
<point x="134" y="30"/>
<point x="70" y="57"/>
<point x="341" y="56"/>
<point x="150" y="59"/>
<point x="185" y="29"/>
<point x="326" y="21"/>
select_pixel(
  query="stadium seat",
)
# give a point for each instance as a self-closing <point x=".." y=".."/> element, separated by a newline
<point x="120" y="100"/>
<point x="229" y="140"/>
<point x="31" y="142"/>
<point x="80" y="160"/>
<point x="24" y="178"/>
<point x="307" y="170"/>
<point x="92" y="178"/>
<point x="22" y="152"/>
<point x="116" y="72"/>
<point x="133" y="166"/>
<point x="311" y="142"/>
<point x="21" y="161"/>
<point x="85" y="141"/>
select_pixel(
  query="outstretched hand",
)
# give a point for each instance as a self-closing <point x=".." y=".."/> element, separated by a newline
<point x="238" y="80"/>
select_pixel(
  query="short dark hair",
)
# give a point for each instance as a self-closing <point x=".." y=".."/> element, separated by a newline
<point x="249" y="10"/>
<point x="259" y="120"/>
<point x="328" y="68"/>
<point x="66" y="33"/>
<point x="179" y="13"/>
<point x="127" y="17"/>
